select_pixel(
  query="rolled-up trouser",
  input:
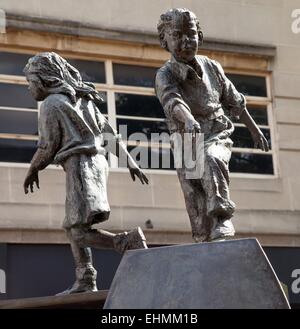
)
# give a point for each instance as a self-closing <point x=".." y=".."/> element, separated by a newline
<point x="207" y="198"/>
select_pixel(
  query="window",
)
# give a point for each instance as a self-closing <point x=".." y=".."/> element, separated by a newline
<point x="245" y="158"/>
<point x="133" y="75"/>
<point x="131" y="106"/>
<point x="18" y="109"/>
<point x="12" y="64"/>
<point x="249" y="85"/>
<point x="137" y="110"/>
<point x="91" y="71"/>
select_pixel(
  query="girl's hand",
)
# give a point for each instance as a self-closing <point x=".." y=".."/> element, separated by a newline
<point x="137" y="172"/>
<point x="31" y="178"/>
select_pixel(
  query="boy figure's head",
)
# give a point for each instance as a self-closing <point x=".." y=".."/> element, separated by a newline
<point x="180" y="33"/>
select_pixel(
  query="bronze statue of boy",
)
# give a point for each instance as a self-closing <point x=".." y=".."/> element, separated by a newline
<point x="72" y="133"/>
<point x="197" y="97"/>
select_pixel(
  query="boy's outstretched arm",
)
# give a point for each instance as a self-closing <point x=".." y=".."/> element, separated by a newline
<point x="182" y="114"/>
<point x="175" y="108"/>
<point x="257" y="135"/>
<point x="236" y="104"/>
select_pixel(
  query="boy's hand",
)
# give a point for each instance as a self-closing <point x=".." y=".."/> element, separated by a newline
<point x="191" y="125"/>
<point x="137" y="172"/>
<point x="31" y="178"/>
<point x="260" y="140"/>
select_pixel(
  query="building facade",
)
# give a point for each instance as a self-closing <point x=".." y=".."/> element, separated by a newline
<point x="115" y="45"/>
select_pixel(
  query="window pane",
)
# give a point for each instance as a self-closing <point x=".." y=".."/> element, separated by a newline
<point x="16" y="96"/>
<point x="134" y="75"/>
<point x="248" y="84"/>
<point x="91" y="71"/>
<point x="138" y="105"/>
<point x="13" y="150"/>
<point x="259" y="114"/>
<point x="13" y="64"/>
<point x="103" y="107"/>
<point x="139" y="126"/>
<point x="18" y="122"/>
<point x="251" y="163"/>
<point x="242" y="138"/>
<point x="151" y="158"/>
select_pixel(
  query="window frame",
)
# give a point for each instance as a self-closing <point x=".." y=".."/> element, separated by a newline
<point x="267" y="103"/>
<point x="111" y="89"/>
<point x="16" y="80"/>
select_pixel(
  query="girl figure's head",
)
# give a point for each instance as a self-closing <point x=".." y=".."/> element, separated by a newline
<point x="48" y="73"/>
<point x="180" y="33"/>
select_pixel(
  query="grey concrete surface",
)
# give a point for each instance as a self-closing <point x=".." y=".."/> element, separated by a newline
<point x="216" y="275"/>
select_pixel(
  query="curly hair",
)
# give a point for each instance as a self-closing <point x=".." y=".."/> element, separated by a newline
<point x="166" y="21"/>
<point x="57" y="76"/>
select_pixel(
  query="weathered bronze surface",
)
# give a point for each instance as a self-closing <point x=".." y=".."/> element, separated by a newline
<point x="72" y="133"/>
<point x="197" y="97"/>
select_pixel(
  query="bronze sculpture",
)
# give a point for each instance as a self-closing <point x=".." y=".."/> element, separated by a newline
<point x="197" y="97"/>
<point x="73" y="133"/>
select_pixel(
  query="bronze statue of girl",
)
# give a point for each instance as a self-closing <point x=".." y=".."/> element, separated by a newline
<point x="72" y="133"/>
